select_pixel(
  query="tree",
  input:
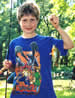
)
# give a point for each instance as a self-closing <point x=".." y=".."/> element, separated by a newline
<point x="9" y="27"/>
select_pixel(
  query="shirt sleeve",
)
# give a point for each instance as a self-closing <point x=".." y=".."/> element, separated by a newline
<point x="11" y="53"/>
<point x="60" y="45"/>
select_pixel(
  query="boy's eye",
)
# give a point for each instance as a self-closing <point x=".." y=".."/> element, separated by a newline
<point x="32" y="19"/>
<point x="24" y="20"/>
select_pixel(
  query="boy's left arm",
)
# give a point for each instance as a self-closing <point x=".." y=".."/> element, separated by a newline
<point x="68" y="44"/>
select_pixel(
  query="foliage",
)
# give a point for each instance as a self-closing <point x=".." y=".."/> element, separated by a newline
<point x="10" y="29"/>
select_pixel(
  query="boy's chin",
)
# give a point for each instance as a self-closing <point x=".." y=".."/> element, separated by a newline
<point x="28" y="32"/>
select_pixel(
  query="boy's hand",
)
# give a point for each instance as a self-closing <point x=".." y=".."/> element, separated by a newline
<point x="7" y="64"/>
<point x="54" y="20"/>
<point x="1" y="72"/>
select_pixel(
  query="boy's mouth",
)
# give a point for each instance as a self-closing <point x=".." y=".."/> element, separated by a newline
<point x="28" y="28"/>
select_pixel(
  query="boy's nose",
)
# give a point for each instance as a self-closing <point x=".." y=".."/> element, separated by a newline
<point x="29" y="23"/>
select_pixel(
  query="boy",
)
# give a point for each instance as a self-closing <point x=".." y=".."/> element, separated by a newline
<point x="30" y="55"/>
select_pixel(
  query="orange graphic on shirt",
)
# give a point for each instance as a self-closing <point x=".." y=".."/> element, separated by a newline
<point x="27" y="71"/>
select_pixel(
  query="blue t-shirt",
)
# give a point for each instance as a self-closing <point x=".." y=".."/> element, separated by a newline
<point x="32" y="61"/>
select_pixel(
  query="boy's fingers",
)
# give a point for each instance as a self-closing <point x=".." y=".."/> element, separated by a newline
<point x="54" y="19"/>
<point x="7" y="63"/>
<point x="1" y="72"/>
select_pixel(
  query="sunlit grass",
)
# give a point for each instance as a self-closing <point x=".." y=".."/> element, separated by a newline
<point x="2" y="89"/>
<point x="65" y="93"/>
<point x="2" y="92"/>
<point x="62" y="89"/>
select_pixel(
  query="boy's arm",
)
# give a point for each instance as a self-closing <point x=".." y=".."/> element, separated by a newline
<point x="68" y="44"/>
<point x="7" y="65"/>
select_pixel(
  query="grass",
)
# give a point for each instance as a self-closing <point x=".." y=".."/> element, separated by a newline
<point x="63" y="89"/>
<point x="2" y="92"/>
<point x="2" y="89"/>
<point x="65" y="94"/>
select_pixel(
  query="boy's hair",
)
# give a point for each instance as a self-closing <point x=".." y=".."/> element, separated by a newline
<point x="28" y="8"/>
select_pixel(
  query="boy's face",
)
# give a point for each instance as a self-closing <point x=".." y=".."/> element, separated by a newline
<point x="28" y="24"/>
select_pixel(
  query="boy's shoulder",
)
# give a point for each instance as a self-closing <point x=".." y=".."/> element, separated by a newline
<point x="15" y="39"/>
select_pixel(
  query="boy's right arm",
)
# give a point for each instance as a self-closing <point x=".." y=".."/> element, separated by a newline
<point x="7" y="65"/>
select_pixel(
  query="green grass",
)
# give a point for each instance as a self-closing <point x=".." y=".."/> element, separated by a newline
<point x="65" y="93"/>
<point x="2" y="89"/>
<point x="63" y="89"/>
<point x="2" y="92"/>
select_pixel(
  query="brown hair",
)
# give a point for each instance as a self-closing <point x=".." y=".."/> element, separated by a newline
<point x="28" y="8"/>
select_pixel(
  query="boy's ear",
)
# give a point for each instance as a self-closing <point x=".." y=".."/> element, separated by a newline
<point x="19" y="22"/>
<point x="37" y="21"/>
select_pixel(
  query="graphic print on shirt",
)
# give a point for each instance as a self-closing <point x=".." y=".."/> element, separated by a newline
<point x="28" y="78"/>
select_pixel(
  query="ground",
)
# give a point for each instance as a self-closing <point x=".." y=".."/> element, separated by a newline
<point x="63" y="88"/>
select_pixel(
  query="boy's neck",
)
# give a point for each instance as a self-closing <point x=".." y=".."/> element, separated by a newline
<point x="29" y="35"/>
